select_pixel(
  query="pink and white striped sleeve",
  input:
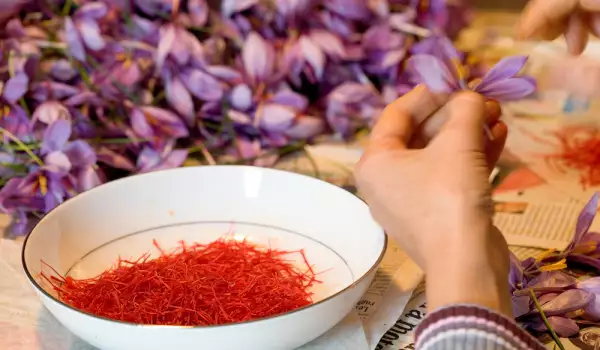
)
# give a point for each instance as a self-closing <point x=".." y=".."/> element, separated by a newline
<point x="469" y="327"/>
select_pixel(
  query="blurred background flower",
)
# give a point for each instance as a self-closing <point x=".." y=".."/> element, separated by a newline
<point x="91" y="91"/>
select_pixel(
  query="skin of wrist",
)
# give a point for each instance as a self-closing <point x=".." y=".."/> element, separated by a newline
<point x="472" y="270"/>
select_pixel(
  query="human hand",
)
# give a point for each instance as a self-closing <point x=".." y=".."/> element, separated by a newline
<point x="425" y="177"/>
<point x="547" y="19"/>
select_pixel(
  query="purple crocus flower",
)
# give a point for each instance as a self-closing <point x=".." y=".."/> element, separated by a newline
<point x="230" y="7"/>
<point x="384" y="50"/>
<point x="350" y="9"/>
<point x="21" y="195"/>
<point x="309" y="55"/>
<point x="352" y="105"/>
<point x="75" y="159"/>
<point x="82" y="30"/>
<point x="446" y="74"/>
<point x="12" y="116"/>
<point x="150" y="159"/>
<point x="156" y="124"/>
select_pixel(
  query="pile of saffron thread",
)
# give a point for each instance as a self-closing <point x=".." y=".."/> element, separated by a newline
<point x="579" y="149"/>
<point x="222" y="282"/>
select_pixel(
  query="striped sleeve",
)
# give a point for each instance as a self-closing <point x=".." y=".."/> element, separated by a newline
<point x="466" y="327"/>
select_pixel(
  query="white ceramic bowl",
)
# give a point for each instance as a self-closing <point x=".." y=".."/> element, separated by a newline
<point x="85" y="236"/>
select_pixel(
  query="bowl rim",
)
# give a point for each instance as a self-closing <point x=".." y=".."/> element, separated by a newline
<point x="358" y="280"/>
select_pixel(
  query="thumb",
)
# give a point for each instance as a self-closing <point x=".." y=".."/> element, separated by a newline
<point x="464" y="128"/>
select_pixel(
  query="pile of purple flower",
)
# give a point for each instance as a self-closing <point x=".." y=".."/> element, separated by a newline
<point x="91" y="91"/>
<point x="545" y="293"/>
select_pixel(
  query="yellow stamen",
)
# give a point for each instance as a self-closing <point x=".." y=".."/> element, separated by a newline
<point x="460" y="71"/>
<point x="576" y="313"/>
<point x="121" y="56"/>
<point x="127" y="63"/>
<point x="5" y="110"/>
<point x="43" y="181"/>
<point x="559" y="265"/>
<point x="145" y="63"/>
<point x="585" y="248"/>
<point x="545" y="255"/>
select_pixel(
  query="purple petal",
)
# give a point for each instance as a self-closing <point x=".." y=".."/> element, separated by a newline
<point x="62" y="69"/>
<point x="45" y="90"/>
<point x="239" y="117"/>
<point x="568" y="301"/>
<point x="17" y="122"/>
<point x="140" y="125"/>
<point x="553" y="281"/>
<point x="328" y="42"/>
<point x="306" y="127"/>
<point x="313" y="55"/>
<point x="592" y="310"/>
<point x="87" y="178"/>
<point x="543" y="299"/>
<point x="56" y="192"/>
<point x="166" y="122"/>
<point x="229" y="7"/>
<point x="225" y="73"/>
<point x="515" y="276"/>
<point x="520" y="305"/>
<point x="90" y="33"/>
<point x="180" y="49"/>
<point x="584" y="221"/>
<point x="564" y="327"/>
<point x="429" y="70"/>
<point x="350" y="93"/>
<point x="56" y="136"/>
<point x="381" y="37"/>
<point x="591" y="285"/>
<point x="147" y="159"/>
<point x="258" y="58"/>
<point x="50" y="111"/>
<point x="180" y="99"/>
<point x="584" y="260"/>
<point x="167" y="38"/>
<point x="291" y="99"/>
<point x="351" y="9"/>
<point x="74" y="40"/>
<point x="114" y="159"/>
<point x="507" y="68"/>
<point x="95" y="10"/>
<point x="198" y="10"/>
<point x="509" y="89"/>
<point x="174" y="159"/>
<point x="15" y="87"/>
<point x="202" y="85"/>
<point x="57" y="162"/>
<point x="276" y="118"/>
<point x="380" y="7"/>
<point x="292" y="7"/>
<point x="80" y="154"/>
<point x="81" y="98"/>
<point x="248" y="149"/>
<point x="241" y="97"/>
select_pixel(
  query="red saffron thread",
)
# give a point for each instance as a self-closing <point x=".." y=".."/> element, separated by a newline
<point x="579" y="149"/>
<point x="222" y="282"/>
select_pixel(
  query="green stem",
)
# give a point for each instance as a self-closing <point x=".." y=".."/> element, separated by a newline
<point x="312" y="161"/>
<point x="24" y="106"/>
<point x="546" y="322"/>
<point x="23" y="146"/>
<point x="67" y="7"/>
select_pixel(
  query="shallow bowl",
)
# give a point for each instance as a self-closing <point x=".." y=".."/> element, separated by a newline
<point x="87" y="234"/>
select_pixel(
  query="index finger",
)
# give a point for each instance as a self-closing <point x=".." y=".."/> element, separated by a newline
<point x="400" y="119"/>
<point x="545" y="18"/>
